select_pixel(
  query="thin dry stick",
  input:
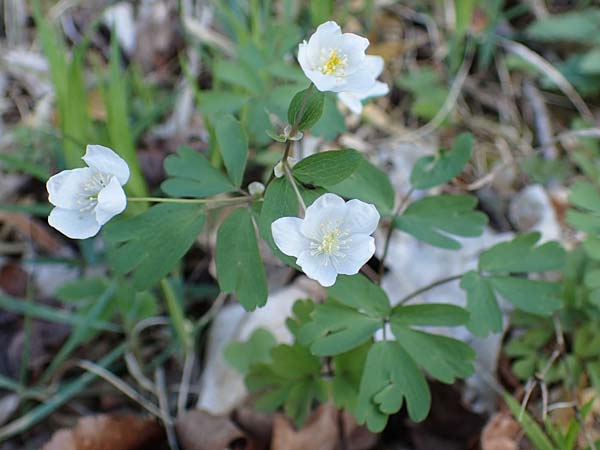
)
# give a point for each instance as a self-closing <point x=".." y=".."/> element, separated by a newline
<point x="186" y="377"/>
<point x="120" y="385"/>
<point x="552" y="73"/>
<point x="135" y="371"/>
<point x="163" y="401"/>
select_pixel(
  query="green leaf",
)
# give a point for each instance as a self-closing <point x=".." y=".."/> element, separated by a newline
<point x="257" y="349"/>
<point x="332" y="122"/>
<point x="337" y="328"/>
<point x="84" y="289"/>
<point x="521" y="255"/>
<point x="233" y="144"/>
<point x="575" y="26"/>
<point x="534" y="296"/>
<point x="301" y="315"/>
<point x="442" y="357"/>
<point x="292" y="380"/>
<point x="432" y="314"/>
<point x="327" y="168"/>
<point x="432" y="218"/>
<point x="221" y="102"/>
<point x="191" y="175"/>
<point x="239" y="74"/>
<point x="150" y="244"/>
<point x="390" y="376"/>
<point x="586" y="198"/>
<point x="348" y="369"/>
<point x="432" y="171"/>
<point x="533" y="431"/>
<point x="486" y="316"/>
<point x="308" y="109"/>
<point x="239" y="266"/>
<point x="369" y="184"/>
<point x="356" y="291"/>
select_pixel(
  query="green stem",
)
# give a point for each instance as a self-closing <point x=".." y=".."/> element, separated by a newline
<point x="188" y="200"/>
<point x="176" y="313"/>
<point x="412" y="295"/>
<point x="290" y="177"/>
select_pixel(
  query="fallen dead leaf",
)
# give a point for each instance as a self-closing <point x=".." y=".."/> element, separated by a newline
<point x="13" y="280"/>
<point x="500" y="433"/>
<point x="109" y="433"/>
<point x="199" y="430"/>
<point x="320" y="432"/>
<point x="34" y="229"/>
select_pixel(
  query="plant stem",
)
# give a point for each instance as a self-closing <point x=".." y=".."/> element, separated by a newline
<point x="399" y="209"/>
<point x="290" y="177"/>
<point x="428" y="287"/>
<point x="176" y="313"/>
<point x="187" y="200"/>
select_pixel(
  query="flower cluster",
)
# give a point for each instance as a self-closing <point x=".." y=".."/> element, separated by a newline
<point x="336" y="62"/>
<point x="88" y="197"/>
<point x="333" y="238"/>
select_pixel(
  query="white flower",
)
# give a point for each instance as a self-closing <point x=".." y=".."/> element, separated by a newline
<point x="333" y="238"/>
<point x="353" y="99"/>
<point x="336" y="61"/>
<point x="278" y="169"/>
<point x="88" y="197"/>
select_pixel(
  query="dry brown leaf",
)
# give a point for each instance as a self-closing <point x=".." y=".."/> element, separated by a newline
<point x="108" y="433"/>
<point x="198" y="430"/>
<point x="34" y="229"/>
<point x="320" y="432"/>
<point x="500" y="433"/>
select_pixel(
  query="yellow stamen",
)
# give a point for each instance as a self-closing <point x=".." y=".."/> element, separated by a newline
<point x="333" y="63"/>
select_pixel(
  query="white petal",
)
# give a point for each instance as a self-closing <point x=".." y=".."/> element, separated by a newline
<point x="111" y="201"/>
<point x="74" y="223"/>
<point x="325" y="36"/>
<point x="65" y="189"/>
<point x="352" y="101"/>
<point x="324" y="83"/>
<point x="353" y="46"/>
<point x="318" y="268"/>
<point x="361" y="249"/>
<point x="364" y="77"/>
<point x="103" y="159"/>
<point x="378" y="89"/>
<point x="327" y="208"/>
<point x="287" y="236"/>
<point x="375" y="63"/>
<point x="361" y="217"/>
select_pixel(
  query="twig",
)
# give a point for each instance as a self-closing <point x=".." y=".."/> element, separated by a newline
<point x="290" y="177"/>
<point x="163" y="401"/>
<point x="418" y="292"/>
<point x="543" y="126"/>
<point x="120" y="385"/>
<point x="186" y="377"/>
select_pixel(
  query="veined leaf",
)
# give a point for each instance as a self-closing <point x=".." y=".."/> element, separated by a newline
<point x="309" y="109"/>
<point x="431" y="219"/>
<point x="150" y="244"/>
<point x="357" y="292"/>
<point x="434" y="170"/>
<point x="191" y="175"/>
<point x="327" y="168"/>
<point x="432" y="314"/>
<point x="239" y="266"/>
<point x="233" y="145"/>
<point x="486" y="316"/>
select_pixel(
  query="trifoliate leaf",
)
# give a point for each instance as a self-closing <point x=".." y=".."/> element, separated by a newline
<point x="292" y="380"/>
<point x="521" y="255"/>
<point x="430" y="171"/>
<point x="431" y="314"/>
<point x="369" y="184"/>
<point x="337" y="328"/>
<point x="442" y="357"/>
<point x="240" y="269"/>
<point x="233" y="144"/>
<point x="301" y="315"/>
<point x="357" y="292"/>
<point x="390" y="376"/>
<point x="348" y="369"/>
<point x="486" y="316"/>
<point x="431" y="219"/>
<point x="309" y="109"/>
<point x="150" y="244"/>
<point x="257" y="349"/>
<point x="191" y="175"/>
<point x="327" y="168"/>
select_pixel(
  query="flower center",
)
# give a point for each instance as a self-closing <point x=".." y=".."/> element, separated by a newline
<point x="333" y="63"/>
<point x="333" y="241"/>
<point x="88" y="198"/>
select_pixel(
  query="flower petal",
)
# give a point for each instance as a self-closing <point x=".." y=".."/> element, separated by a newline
<point x="74" y="223"/>
<point x="361" y="248"/>
<point x="105" y="160"/>
<point x="328" y="208"/>
<point x="364" y="77"/>
<point x="354" y="46"/>
<point x="361" y="217"/>
<point x="352" y="101"/>
<point x="111" y="201"/>
<point x="65" y="189"/>
<point x="378" y="89"/>
<point x="287" y="236"/>
<point x="317" y="267"/>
